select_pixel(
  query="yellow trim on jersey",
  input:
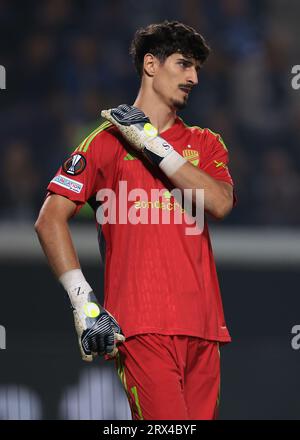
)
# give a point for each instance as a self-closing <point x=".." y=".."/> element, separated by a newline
<point x="217" y="135"/>
<point x="137" y="402"/>
<point x="121" y="372"/>
<point x="87" y="141"/>
<point x="219" y="138"/>
<point x="122" y="376"/>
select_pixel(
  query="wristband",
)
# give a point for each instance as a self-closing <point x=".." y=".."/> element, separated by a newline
<point x="171" y="163"/>
<point x="76" y="286"/>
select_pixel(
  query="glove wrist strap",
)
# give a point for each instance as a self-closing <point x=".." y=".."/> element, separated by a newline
<point x="171" y="163"/>
<point x="77" y="287"/>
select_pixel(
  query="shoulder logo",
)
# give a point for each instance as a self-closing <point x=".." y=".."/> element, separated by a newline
<point x="220" y="164"/>
<point x="192" y="156"/>
<point x="129" y="157"/>
<point x="74" y="165"/>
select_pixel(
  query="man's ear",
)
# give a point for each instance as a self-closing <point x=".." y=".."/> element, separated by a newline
<point x="151" y="64"/>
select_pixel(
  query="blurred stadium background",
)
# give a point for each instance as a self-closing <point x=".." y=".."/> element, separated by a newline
<point x="65" y="61"/>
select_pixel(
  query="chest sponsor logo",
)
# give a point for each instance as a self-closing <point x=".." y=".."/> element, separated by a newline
<point x="74" y="165"/>
<point x="155" y="206"/>
<point x="67" y="183"/>
<point x="192" y="156"/>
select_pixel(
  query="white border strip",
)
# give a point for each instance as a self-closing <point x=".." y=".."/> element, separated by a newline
<point x="232" y="245"/>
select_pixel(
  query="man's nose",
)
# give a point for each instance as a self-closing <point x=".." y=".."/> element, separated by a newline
<point x="193" y="76"/>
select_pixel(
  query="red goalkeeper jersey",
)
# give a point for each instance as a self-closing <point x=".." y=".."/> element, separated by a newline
<point x="158" y="279"/>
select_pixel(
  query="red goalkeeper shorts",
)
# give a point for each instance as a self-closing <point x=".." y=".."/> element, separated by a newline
<point x="170" y="377"/>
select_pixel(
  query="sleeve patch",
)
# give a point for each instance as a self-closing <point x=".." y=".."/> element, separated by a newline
<point x="68" y="183"/>
<point x="74" y="165"/>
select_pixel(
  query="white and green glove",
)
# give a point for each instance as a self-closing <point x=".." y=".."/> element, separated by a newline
<point x="98" y="331"/>
<point x="137" y="129"/>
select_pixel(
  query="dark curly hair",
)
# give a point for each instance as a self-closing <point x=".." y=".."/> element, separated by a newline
<point x="164" y="39"/>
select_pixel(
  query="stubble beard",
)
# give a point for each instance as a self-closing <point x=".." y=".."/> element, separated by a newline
<point x="179" y="105"/>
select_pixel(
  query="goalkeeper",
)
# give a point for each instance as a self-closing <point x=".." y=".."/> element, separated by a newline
<point x="161" y="290"/>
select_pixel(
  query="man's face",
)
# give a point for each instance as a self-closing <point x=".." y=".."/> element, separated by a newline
<point x="175" y="78"/>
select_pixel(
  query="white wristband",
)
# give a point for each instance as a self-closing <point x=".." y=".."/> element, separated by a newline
<point x="171" y="163"/>
<point x="76" y="286"/>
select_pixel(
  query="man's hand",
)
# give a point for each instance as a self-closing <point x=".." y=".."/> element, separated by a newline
<point x="98" y="331"/>
<point x="136" y="127"/>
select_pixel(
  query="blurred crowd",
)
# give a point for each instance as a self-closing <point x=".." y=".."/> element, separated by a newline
<point x="65" y="60"/>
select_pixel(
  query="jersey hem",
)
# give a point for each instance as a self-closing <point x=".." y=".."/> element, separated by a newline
<point x="173" y="332"/>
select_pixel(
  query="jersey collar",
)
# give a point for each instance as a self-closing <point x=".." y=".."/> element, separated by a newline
<point x="175" y="131"/>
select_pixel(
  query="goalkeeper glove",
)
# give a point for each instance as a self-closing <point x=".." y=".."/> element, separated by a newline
<point x="98" y="331"/>
<point x="135" y="126"/>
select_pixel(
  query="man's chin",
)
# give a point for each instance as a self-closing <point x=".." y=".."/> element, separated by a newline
<point x="179" y="105"/>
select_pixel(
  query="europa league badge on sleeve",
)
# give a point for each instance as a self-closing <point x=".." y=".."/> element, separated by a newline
<point x="74" y="165"/>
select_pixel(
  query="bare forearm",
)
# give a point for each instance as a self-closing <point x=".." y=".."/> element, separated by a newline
<point x="217" y="197"/>
<point x="57" y="244"/>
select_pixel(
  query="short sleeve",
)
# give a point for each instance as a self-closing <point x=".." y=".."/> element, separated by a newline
<point x="215" y="157"/>
<point x="76" y="177"/>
